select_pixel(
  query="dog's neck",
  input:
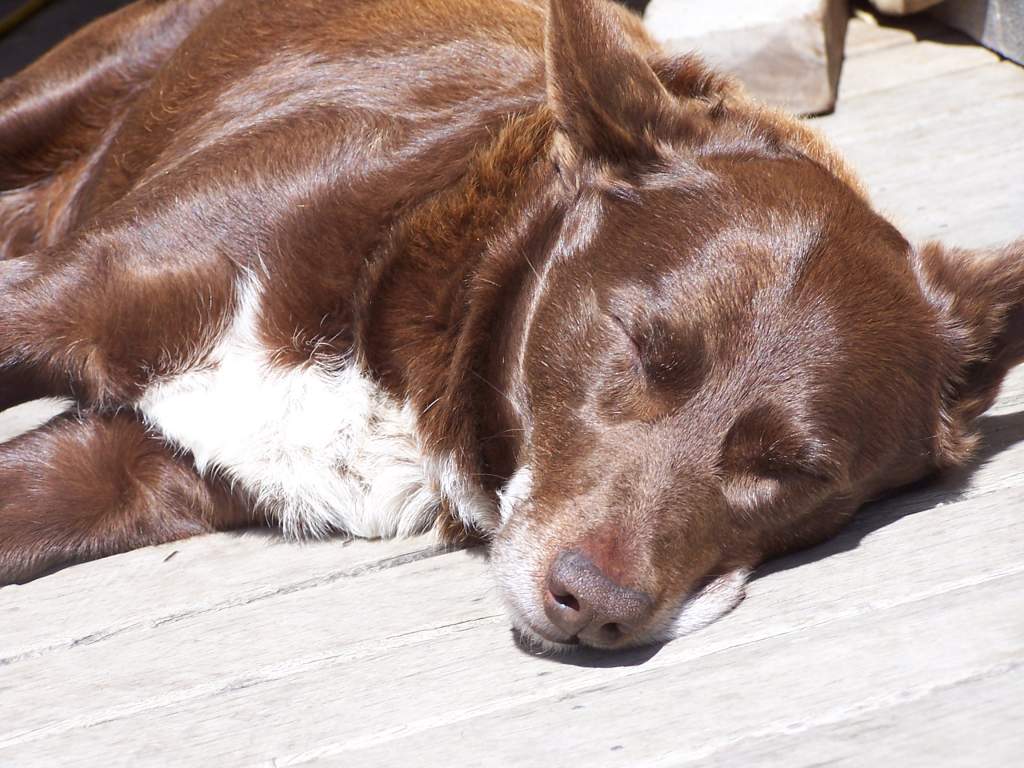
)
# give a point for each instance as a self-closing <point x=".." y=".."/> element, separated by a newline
<point x="442" y="306"/>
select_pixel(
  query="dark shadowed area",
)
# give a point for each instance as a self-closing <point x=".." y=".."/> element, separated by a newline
<point x="44" y="29"/>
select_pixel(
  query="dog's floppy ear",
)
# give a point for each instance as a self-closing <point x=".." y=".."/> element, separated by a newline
<point x="608" y="101"/>
<point x="979" y="297"/>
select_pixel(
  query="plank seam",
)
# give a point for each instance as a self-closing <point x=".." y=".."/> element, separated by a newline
<point x="247" y="598"/>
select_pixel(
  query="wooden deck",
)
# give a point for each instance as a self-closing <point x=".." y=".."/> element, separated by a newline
<point x="899" y="643"/>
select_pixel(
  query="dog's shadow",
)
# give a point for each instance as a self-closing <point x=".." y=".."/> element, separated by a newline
<point x="998" y="433"/>
<point x="590" y="657"/>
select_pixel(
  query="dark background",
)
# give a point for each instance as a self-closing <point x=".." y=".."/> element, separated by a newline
<point x="45" y="29"/>
<point x="59" y="18"/>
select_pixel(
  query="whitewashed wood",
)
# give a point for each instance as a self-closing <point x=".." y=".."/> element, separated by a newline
<point x="899" y="65"/>
<point x="462" y="614"/>
<point x="880" y="117"/>
<point x="898" y="643"/>
<point x="865" y="35"/>
<point x="753" y="676"/>
<point x="951" y="173"/>
<point x="141" y="590"/>
<point x="26" y="416"/>
<point x="792" y="684"/>
<point x="947" y="727"/>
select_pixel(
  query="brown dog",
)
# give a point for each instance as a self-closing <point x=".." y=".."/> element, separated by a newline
<point x="494" y="267"/>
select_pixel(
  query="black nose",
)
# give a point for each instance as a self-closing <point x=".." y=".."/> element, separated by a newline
<point x="583" y="602"/>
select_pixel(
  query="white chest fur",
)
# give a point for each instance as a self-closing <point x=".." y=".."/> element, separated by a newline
<point x="318" y="450"/>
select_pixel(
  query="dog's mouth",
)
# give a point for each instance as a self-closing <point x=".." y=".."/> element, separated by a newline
<point x="534" y="640"/>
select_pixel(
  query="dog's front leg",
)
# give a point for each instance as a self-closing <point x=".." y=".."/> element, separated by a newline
<point x="87" y="486"/>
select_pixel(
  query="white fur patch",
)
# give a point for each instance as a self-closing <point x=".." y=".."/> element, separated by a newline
<point x="472" y="505"/>
<point x="318" y="450"/>
<point x="516" y="491"/>
<point x="518" y="564"/>
<point x="712" y="602"/>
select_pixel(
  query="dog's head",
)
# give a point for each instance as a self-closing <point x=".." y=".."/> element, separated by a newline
<point x="725" y="353"/>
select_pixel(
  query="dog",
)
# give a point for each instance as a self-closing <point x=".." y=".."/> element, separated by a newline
<point x="506" y="270"/>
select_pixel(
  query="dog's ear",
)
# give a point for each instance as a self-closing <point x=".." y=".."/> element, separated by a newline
<point x="979" y="298"/>
<point x="609" y="103"/>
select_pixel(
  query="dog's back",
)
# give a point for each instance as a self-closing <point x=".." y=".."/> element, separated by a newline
<point x="198" y="89"/>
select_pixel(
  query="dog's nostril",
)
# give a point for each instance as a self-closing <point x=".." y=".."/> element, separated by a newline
<point x="612" y="631"/>
<point x="568" y="600"/>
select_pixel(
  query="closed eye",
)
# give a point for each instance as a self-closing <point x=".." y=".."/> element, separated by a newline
<point x="766" y="442"/>
<point x="635" y="348"/>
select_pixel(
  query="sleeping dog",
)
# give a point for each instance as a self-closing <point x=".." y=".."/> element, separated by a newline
<point x="502" y="269"/>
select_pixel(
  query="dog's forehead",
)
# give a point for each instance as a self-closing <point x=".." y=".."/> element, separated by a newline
<point x="747" y="241"/>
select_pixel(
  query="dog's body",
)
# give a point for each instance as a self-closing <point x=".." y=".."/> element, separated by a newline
<point x="371" y="267"/>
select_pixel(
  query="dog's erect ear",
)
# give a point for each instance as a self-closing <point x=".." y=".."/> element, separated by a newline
<point x="608" y="101"/>
<point x="979" y="296"/>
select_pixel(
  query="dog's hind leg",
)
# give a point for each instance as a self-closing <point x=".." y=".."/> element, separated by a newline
<point x="92" y="485"/>
<point x="53" y="111"/>
<point x="56" y="117"/>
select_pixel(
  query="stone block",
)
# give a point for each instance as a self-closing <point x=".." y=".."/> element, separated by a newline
<point x="996" y="24"/>
<point x="787" y="53"/>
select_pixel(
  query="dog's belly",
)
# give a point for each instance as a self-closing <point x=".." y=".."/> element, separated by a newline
<point x="316" y="450"/>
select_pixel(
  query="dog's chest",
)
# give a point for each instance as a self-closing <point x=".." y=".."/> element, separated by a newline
<point x="316" y="450"/>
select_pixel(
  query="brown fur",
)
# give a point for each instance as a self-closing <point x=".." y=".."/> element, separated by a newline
<point x="561" y="246"/>
<point x="89" y="486"/>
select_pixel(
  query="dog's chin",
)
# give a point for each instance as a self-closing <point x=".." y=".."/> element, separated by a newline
<point x="532" y="641"/>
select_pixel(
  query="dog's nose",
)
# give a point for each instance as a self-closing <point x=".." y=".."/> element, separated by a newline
<point x="584" y="602"/>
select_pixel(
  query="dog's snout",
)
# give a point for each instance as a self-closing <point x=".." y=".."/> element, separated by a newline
<point x="583" y="602"/>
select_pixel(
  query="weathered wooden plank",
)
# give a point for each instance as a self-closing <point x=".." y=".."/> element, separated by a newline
<point x="151" y="587"/>
<point x="876" y="116"/>
<point x="668" y="713"/>
<point x="904" y="64"/>
<point x="28" y="416"/>
<point x="948" y="727"/>
<point x="943" y="181"/>
<point x="865" y="35"/>
<point x="411" y="703"/>
<point x="380" y="629"/>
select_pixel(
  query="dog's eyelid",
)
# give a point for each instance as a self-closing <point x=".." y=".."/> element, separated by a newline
<point x="815" y="460"/>
<point x="799" y="468"/>
<point x="766" y="442"/>
<point x="630" y="334"/>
